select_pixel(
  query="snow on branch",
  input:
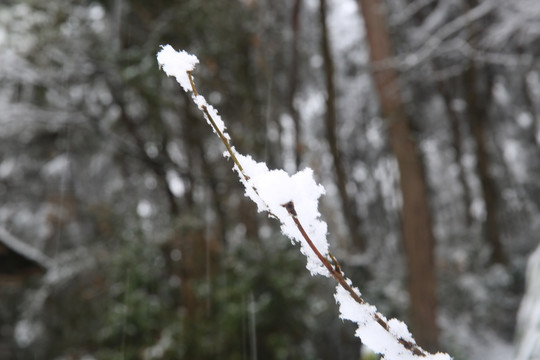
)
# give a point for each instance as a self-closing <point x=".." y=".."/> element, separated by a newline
<point x="293" y="200"/>
<point x="177" y="64"/>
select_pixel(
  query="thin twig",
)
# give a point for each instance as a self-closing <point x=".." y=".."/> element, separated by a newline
<point x="338" y="276"/>
<point x="335" y="271"/>
<point x="227" y="144"/>
<point x="217" y="129"/>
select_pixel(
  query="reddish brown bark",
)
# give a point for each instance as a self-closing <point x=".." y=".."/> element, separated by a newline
<point x="417" y="230"/>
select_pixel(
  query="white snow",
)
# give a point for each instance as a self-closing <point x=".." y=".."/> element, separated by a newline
<point x="7" y="166"/>
<point x="158" y="350"/>
<point x="26" y="332"/>
<point x="349" y="309"/>
<point x="400" y="330"/>
<point x="525" y="119"/>
<point x="175" y="183"/>
<point x="177" y="64"/>
<point x="373" y="335"/>
<point x="144" y="208"/>
<point x="57" y="166"/>
<point x="271" y="190"/>
<point x="203" y="105"/>
<point x="528" y="338"/>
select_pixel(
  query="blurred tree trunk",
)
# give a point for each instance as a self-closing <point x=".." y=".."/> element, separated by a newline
<point x="293" y="81"/>
<point x="478" y="83"/>
<point x="347" y="205"/>
<point x="531" y="187"/>
<point x="416" y="221"/>
<point x="457" y="144"/>
<point x="477" y="105"/>
<point x="531" y="106"/>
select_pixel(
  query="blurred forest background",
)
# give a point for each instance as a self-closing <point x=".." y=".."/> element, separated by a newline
<point x="124" y="234"/>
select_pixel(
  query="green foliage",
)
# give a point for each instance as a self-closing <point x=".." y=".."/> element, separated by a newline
<point x="138" y="300"/>
<point x="369" y="355"/>
<point x="131" y="306"/>
<point x="258" y="295"/>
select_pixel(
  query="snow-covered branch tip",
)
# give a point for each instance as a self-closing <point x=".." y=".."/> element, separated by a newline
<point x="293" y="200"/>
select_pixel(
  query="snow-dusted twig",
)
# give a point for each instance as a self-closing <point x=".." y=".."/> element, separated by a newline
<point x="293" y="200"/>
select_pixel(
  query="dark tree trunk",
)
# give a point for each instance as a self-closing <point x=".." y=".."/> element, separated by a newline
<point x="293" y="81"/>
<point x="418" y="235"/>
<point x="457" y="145"/>
<point x="478" y="98"/>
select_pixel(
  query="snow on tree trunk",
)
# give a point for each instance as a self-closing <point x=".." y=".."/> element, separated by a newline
<point x="418" y="237"/>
